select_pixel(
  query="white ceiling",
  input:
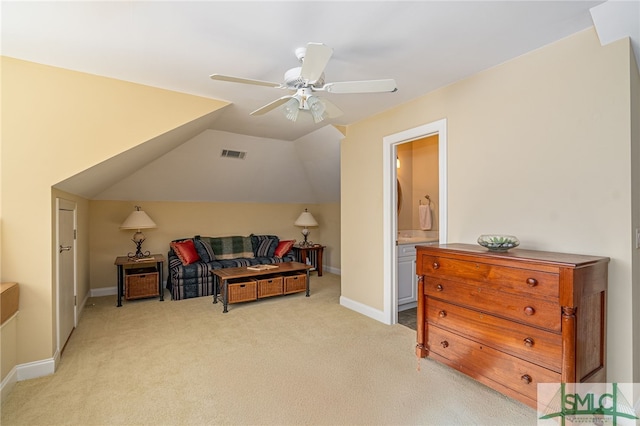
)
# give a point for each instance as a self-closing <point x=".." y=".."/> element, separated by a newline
<point x="176" y="45"/>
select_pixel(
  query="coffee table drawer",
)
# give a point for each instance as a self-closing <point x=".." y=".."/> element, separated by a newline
<point x="268" y="287"/>
<point x="242" y="290"/>
<point x="295" y="283"/>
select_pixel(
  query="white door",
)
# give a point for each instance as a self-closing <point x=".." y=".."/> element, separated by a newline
<point x="66" y="271"/>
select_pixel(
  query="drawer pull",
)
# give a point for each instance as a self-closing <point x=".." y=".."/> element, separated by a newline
<point x="436" y="265"/>
<point x="444" y="344"/>
<point x="442" y="314"/>
<point x="528" y="342"/>
<point x="526" y="378"/>
<point x="529" y="310"/>
<point x="532" y="282"/>
<point x="439" y="287"/>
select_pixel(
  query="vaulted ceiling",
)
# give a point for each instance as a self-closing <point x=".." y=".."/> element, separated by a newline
<point x="176" y="45"/>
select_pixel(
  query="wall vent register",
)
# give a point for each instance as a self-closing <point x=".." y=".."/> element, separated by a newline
<point x="228" y="153"/>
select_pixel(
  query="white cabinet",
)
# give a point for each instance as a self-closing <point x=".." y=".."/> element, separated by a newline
<point x="407" y="287"/>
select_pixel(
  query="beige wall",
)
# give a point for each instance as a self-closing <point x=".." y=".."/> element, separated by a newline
<point x="56" y="123"/>
<point x="538" y="147"/>
<point x="185" y="219"/>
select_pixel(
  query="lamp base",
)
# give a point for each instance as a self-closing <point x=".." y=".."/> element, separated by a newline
<point x="305" y="243"/>
<point x="139" y="253"/>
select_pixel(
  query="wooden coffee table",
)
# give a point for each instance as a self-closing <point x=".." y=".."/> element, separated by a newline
<point x="224" y="275"/>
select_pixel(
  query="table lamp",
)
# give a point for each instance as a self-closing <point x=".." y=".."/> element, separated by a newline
<point x="138" y="220"/>
<point x="305" y="219"/>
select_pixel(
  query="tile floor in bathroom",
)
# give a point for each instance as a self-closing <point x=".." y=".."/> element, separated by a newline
<point x="408" y="318"/>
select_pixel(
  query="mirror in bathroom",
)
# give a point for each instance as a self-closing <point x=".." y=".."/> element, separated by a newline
<point x="399" y="195"/>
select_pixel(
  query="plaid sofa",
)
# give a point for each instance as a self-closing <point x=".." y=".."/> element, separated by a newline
<point x="196" y="279"/>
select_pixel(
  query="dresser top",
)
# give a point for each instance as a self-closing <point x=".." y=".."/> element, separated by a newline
<point x="568" y="259"/>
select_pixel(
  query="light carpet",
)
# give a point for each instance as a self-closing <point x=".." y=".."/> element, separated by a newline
<point x="287" y="360"/>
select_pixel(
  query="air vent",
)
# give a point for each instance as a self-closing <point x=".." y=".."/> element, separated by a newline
<point x="233" y="154"/>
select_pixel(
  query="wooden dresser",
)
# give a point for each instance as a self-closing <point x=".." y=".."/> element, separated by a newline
<point x="513" y="320"/>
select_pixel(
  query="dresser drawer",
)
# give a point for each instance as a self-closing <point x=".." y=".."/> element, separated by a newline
<point x="514" y="280"/>
<point x="487" y="364"/>
<point x="485" y="298"/>
<point x="540" y="347"/>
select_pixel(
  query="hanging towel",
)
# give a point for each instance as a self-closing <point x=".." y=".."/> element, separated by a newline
<point x="425" y="216"/>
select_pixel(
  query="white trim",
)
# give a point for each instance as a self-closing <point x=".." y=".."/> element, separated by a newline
<point x="409" y="305"/>
<point x="82" y="305"/>
<point x="8" y="383"/>
<point x="103" y="291"/>
<point x="389" y="203"/>
<point x="33" y="370"/>
<point x="332" y="270"/>
<point x="362" y="308"/>
<point x="12" y="377"/>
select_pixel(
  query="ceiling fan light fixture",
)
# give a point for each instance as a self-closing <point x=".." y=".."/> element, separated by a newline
<point x="291" y="109"/>
<point x="308" y="79"/>
<point x="317" y="109"/>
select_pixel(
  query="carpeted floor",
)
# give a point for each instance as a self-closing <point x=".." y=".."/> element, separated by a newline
<point x="287" y="360"/>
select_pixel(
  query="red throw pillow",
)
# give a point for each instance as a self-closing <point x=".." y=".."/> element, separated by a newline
<point x="284" y="247"/>
<point x="186" y="251"/>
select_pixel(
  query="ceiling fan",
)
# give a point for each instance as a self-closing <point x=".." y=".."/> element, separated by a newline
<point x="308" y="79"/>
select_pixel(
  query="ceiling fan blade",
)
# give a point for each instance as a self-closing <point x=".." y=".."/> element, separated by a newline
<point x="272" y="105"/>
<point x="367" y="86"/>
<point x="315" y="60"/>
<point x="331" y="109"/>
<point x="232" y="79"/>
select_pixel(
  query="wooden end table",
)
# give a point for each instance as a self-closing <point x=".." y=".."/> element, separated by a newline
<point x="313" y="253"/>
<point x="126" y="263"/>
<point x="226" y="274"/>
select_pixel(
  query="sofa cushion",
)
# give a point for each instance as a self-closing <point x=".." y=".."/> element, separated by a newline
<point x="186" y="251"/>
<point x="264" y="245"/>
<point x="284" y="247"/>
<point x="204" y="249"/>
<point x="232" y="247"/>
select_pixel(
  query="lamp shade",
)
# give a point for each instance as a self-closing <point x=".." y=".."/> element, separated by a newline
<point x="305" y="219"/>
<point x="138" y="219"/>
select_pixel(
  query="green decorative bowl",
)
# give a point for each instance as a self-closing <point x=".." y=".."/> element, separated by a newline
<point x="495" y="242"/>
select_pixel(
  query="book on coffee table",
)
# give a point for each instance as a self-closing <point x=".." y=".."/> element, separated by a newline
<point x="261" y="267"/>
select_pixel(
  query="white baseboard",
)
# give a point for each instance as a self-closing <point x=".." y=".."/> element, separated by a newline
<point x="103" y="291"/>
<point x="363" y="309"/>
<point x="83" y="304"/>
<point x="32" y="370"/>
<point x="407" y="306"/>
<point x="331" y="270"/>
<point x="8" y="383"/>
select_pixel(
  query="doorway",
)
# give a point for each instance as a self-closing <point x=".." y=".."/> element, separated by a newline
<point x="390" y="203"/>
<point x="66" y="267"/>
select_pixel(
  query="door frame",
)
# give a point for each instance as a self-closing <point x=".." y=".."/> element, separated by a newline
<point x="390" y="202"/>
<point x="62" y="204"/>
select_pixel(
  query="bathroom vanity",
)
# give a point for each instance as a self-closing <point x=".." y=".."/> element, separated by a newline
<point x="407" y="280"/>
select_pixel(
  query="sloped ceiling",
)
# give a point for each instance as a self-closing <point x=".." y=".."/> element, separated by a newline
<point x="273" y="171"/>
<point x="97" y="179"/>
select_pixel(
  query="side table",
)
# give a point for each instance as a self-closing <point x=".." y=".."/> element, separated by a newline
<point x="126" y="264"/>
<point x="310" y="255"/>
